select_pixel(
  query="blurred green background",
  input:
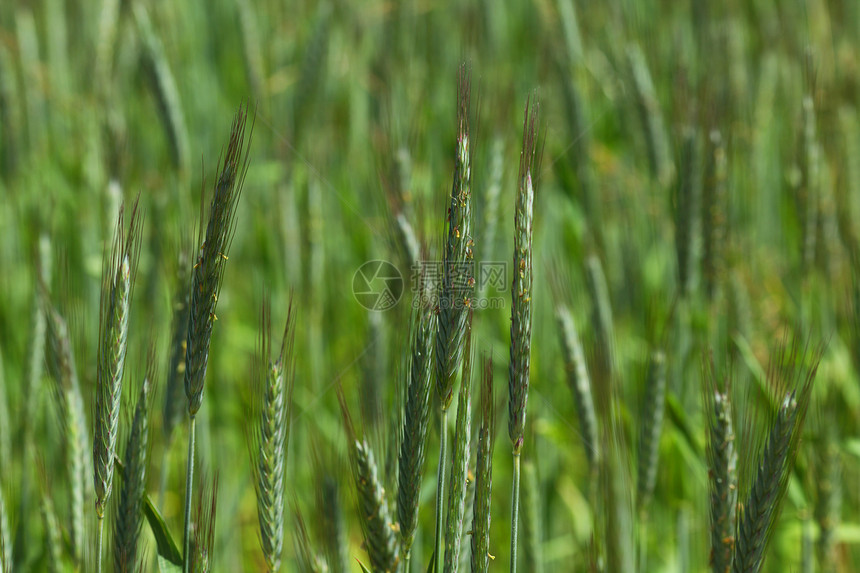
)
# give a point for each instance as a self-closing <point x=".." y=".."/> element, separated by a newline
<point x="355" y="125"/>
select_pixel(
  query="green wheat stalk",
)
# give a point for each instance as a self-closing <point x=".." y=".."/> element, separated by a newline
<point x="206" y="277"/>
<point x="521" y="292"/>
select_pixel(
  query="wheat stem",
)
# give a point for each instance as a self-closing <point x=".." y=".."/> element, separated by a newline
<point x="101" y="524"/>
<point x="515" y="510"/>
<point x="189" y="481"/>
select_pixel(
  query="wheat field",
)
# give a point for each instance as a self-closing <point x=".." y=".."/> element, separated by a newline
<point x="429" y="286"/>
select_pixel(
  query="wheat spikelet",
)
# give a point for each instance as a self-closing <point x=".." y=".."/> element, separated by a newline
<point x="273" y="380"/>
<point x="117" y="284"/>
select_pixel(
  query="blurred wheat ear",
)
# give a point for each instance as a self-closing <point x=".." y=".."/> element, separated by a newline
<point x="273" y="380"/>
<point x="580" y="385"/>
<point x="722" y="469"/>
<point x="651" y="428"/>
<point x="379" y="530"/>
<point x="73" y="424"/>
<point x="118" y="276"/>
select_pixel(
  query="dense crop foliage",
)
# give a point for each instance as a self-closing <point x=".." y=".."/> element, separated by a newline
<point x="410" y="286"/>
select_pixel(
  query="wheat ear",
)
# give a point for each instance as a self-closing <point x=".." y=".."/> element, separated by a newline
<point x="580" y="385"/>
<point x="722" y="470"/>
<point x="521" y="293"/>
<point x="129" y="515"/>
<point x="376" y="524"/>
<point x="67" y="392"/>
<point x="652" y="427"/>
<point x="793" y="376"/>
<point x="206" y="277"/>
<point x="415" y="427"/>
<point x="457" y="288"/>
<point x="117" y="285"/>
<point x="273" y="380"/>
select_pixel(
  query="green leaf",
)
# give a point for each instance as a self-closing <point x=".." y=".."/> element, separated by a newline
<point x="167" y="547"/>
<point x="432" y="566"/>
<point x="363" y="568"/>
<point x="165" y="566"/>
